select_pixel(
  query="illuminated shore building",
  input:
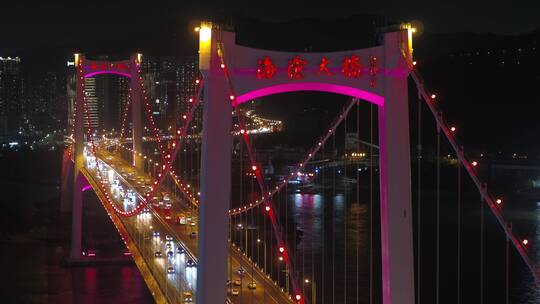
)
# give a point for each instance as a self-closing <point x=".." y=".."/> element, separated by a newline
<point x="11" y="97"/>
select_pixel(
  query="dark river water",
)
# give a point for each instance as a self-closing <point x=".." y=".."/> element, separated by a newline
<point x="332" y="249"/>
<point x="332" y="238"/>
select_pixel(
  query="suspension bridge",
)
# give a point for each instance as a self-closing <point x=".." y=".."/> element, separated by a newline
<point x="205" y="224"/>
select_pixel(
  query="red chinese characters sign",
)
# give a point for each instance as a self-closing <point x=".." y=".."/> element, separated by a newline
<point x="373" y="69"/>
<point x="296" y="65"/>
<point x="265" y="68"/>
<point x="323" y="67"/>
<point x="110" y="66"/>
<point x="351" y="67"/>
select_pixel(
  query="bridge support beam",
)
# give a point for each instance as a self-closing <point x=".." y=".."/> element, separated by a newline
<point x="78" y="159"/>
<point x="395" y="179"/>
<point x="136" y="117"/>
<point x="76" y="219"/>
<point x="215" y="176"/>
<point x="66" y="194"/>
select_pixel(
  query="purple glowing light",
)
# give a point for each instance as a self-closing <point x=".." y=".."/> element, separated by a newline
<point x="87" y="187"/>
<point x="311" y="86"/>
<point x="92" y="74"/>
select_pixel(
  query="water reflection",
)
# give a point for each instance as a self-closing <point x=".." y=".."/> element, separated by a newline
<point x="334" y="245"/>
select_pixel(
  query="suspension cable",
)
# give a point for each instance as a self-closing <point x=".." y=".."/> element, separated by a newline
<point x="419" y="201"/>
<point x="334" y="221"/>
<point x="488" y="199"/>
<point x="481" y="251"/>
<point x="507" y="272"/>
<point x="298" y="167"/>
<point x="458" y="297"/>
<point x="345" y="212"/>
<point x="358" y="202"/>
<point x="371" y="206"/>
<point x="438" y="201"/>
<point x="323" y="229"/>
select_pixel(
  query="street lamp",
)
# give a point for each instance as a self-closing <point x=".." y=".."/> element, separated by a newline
<point x="264" y="267"/>
<point x="251" y="228"/>
<point x="313" y="290"/>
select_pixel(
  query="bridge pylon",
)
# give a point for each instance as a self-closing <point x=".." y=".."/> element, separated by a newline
<point x="72" y="190"/>
<point x="136" y="117"/>
<point x="78" y="160"/>
<point x="239" y="74"/>
<point x="215" y="174"/>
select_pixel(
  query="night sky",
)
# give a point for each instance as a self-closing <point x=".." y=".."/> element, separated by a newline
<point x="53" y="25"/>
<point x="46" y="36"/>
<point x="56" y="31"/>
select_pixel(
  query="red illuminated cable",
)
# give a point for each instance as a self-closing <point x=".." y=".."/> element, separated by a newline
<point x="260" y="181"/>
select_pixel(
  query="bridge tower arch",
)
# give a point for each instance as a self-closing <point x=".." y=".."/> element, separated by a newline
<point x="237" y="74"/>
<point x="91" y="68"/>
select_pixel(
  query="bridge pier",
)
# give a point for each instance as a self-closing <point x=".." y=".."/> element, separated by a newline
<point x="395" y="178"/>
<point x="66" y="194"/>
<point x="76" y="219"/>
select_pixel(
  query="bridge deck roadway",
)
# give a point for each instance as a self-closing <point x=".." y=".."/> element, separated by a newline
<point x="174" y="285"/>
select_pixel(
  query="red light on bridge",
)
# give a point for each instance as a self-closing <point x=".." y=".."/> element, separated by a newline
<point x="242" y="131"/>
<point x="298" y="297"/>
<point x="197" y="81"/>
<point x="474" y="163"/>
<point x="254" y="168"/>
<point x="222" y="65"/>
<point x="433" y="96"/>
<point x="281" y="249"/>
<point x="184" y="116"/>
<point x="231" y="97"/>
<point x="498" y="201"/>
<point x="453" y="129"/>
<point x="525" y="242"/>
<point x="414" y="63"/>
<point x="267" y="208"/>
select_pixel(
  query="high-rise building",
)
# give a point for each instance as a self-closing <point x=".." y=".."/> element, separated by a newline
<point x="46" y="103"/>
<point x="90" y="91"/>
<point x="170" y="83"/>
<point x="186" y="74"/>
<point x="11" y="97"/>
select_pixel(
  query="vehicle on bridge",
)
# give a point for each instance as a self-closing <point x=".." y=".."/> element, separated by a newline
<point x="233" y="291"/>
<point x="167" y="214"/>
<point x="181" y="219"/>
<point x="188" y="297"/>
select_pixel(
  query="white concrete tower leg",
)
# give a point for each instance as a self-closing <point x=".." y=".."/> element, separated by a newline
<point x="78" y="158"/>
<point x="395" y="177"/>
<point x="215" y="171"/>
<point x="136" y="118"/>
